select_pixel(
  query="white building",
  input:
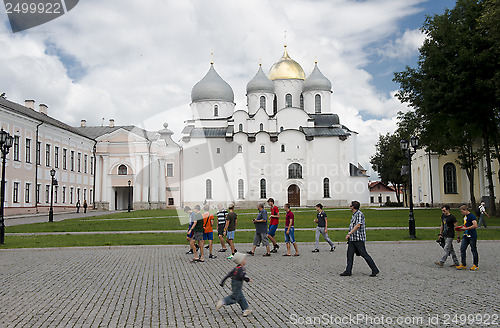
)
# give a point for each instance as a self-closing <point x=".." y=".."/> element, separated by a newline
<point x="287" y="143"/>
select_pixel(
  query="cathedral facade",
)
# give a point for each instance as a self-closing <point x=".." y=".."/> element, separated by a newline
<point x="287" y="143"/>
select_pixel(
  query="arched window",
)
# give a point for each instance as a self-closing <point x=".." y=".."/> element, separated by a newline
<point x="288" y="100"/>
<point x="295" y="171"/>
<point x="450" y="178"/>
<point x="326" y="188"/>
<point x="262" y="149"/>
<point x="263" y="193"/>
<point x="263" y="102"/>
<point x="261" y="127"/>
<point x="241" y="189"/>
<point x="208" y="189"/>
<point x="240" y="149"/>
<point x="275" y="105"/>
<point x="216" y="110"/>
<point x="301" y="101"/>
<point x="283" y="148"/>
<point x="122" y="170"/>
<point x="281" y="129"/>
<point x="317" y="104"/>
<point x="240" y="127"/>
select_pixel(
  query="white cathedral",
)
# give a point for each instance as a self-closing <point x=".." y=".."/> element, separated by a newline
<point x="287" y="144"/>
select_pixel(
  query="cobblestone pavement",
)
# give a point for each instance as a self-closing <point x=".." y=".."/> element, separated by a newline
<point x="157" y="286"/>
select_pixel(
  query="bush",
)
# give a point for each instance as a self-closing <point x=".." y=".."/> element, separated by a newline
<point x="393" y="204"/>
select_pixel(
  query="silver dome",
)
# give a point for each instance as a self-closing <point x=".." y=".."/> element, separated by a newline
<point x="317" y="81"/>
<point x="212" y="87"/>
<point x="260" y="83"/>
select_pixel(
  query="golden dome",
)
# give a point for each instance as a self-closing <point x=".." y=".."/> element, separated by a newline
<point x="286" y="69"/>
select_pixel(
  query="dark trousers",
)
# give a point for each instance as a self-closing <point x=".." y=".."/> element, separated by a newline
<point x="237" y="296"/>
<point x="472" y="241"/>
<point x="358" y="247"/>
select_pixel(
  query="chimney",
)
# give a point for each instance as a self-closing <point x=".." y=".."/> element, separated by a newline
<point x="111" y="123"/>
<point x="43" y="109"/>
<point x="29" y="104"/>
<point x="83" y="123"/>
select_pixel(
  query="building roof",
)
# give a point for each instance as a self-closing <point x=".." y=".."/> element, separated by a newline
<point x="95" y="132"/>
<point x="377" y="186"/>
<point x="204" y="132"/>
<point x="35" y="115"/>
<point x="325" y="119"/>
<point x="260" y="83"/>
<point x="212" y="87"/>
<point x="317" y="81"/>
<point x="324" y="132"/>
<point x="286" y="69"/>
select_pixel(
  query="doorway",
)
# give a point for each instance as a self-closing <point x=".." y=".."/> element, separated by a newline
<point x="294" y="195"/>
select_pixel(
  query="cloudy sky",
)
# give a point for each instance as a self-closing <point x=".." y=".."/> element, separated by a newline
<point x="136" y="61"/>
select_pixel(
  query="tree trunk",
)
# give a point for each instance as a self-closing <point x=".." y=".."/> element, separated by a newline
<point x="489" y="175"/>
<point x="397" y="193"/>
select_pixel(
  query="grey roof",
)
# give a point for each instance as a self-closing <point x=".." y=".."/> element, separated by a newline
<point x="260" y="83"/>
<point x="317" y="81"/>
<point x="324" y="132"/>
<point x="204" y="132"/>
<point x="212" y="87"/>
<point x="325" y="119"/>
<point x="33" y="114"/>
<point x="97" y="131"/>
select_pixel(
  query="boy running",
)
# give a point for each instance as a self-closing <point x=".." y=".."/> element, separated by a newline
<point x="322" y="228"/>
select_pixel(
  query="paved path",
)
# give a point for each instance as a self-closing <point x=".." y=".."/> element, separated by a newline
<point x="44" y="217"/>
<point x="157" y="286"/>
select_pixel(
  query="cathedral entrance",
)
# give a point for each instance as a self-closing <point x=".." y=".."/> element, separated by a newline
<point x="294" y="195"/>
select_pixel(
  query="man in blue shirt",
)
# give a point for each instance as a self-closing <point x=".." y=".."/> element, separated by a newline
<point x="260" y="230"/>
<point x="356" y="241"/>
<point x="469" y="238"/>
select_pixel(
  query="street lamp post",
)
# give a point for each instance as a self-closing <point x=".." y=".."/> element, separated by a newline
<point x="409" y="148"/>
<point x="6" y="141"/>
<point x="129" y="192"/>
<point x="51" y="211"/>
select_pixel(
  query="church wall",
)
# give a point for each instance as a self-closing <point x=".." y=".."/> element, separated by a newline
<point x="293" y="87"/>
<point x="205" y="109"/>
<point x="309" y="101"/>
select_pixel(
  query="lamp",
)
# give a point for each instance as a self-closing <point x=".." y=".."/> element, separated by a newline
<point x="403" y="144"/>
<point x="414" y="141"/>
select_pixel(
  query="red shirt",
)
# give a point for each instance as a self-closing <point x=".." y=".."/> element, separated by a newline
<point x="275" y="211"/>
<point x="289" y="220"/>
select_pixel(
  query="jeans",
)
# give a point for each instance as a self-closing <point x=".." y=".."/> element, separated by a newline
<point x="359" y="246"/>
<point x="321" y="230"/>
<point x="472" y="241"/>
<point x="237" y="295"/>
<point x="448" y="250"/>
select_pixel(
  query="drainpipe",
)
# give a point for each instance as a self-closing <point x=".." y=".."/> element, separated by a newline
<point x="36" y="166"/>
<point x="181" y="197"/>
<point x="93" y="194"/>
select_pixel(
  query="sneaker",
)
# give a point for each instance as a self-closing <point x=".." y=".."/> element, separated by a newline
<point x="267" y="254"/>
<point x="230" y="257"/>
<point x="346" y="274"/>
<point x="222" y="250"/>
<point x="250" y="253"/>
<point x="474" y="268"/>
<point x="277" y="246"/>
<point x="247" y="312"/>
<point x="439" y="264"/>
<point x="332" y="249"/>
<point x="219" y="304"/>
<point x="374" y="274"/>
<point x="315" y="250"/>
<point x="461" y="267"/>
<point x="454" y="265"/>
<point x="212" y="256"/>
<point x="189" y="252"/>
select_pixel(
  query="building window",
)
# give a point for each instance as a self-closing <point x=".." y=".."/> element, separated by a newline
<point x="317" y="104"/>
<point x="72" y="160"/>
<point x="261" y="127"/>
<point x="388" y="199"/>
<point x="240" y="127"/>
<point x="240" y="149"/>
<point x="275" y="105"/>
<point x="450" y="178"/>
<point x="208" y="189"/>
<point x="262" y="149"/>
<point x="15" y="149"/>
<point x="56" y="157"/>
<point x="79" y="161"/>
<point x="326" y="188"/>
<point x="65" y="153"/>
<point x="170" y="201"/>
<point x="282" y="148"/>
<point x="64" y="195"/>
<point x="217" y="150"/>
<point x="37" y="193"/>
<point x="71" y="195"/>
<point x="84" y="194"/>
<point x="38" y="150"/>
<point x="263" y="102"/>
<point x="380" y="199"/>
<point x="170" y="170"/>
<point x="122" y="170"/>
<point x="295" y="171"/>
<point x="91" y="164"/>
<point x="241" y="189"/>
<point x="216" y="110"/>
<point x="28" y="150"/>
<point x="15" y="194"/>
<point x="47" y="194"/>
<point x="85" y="160"/>
<point x="77" y="194"/>
<point x="47" y="155"/>
<point x="91" y="196"/>
<point x="281" y="129"/>
<point x="27" y="193"/>
<point x="301" y="101"/>
<point x="56" y="188"/>
<point x="288" y="100"/>
<point x="372" y="199"/>
<point x="263" y="193"/>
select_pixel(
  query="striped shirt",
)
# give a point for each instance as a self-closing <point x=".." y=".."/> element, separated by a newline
<point x="360" y="234"/>
<point x="221" y="216"/>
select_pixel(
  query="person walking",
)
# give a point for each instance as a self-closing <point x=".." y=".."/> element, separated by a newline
<point x="482" y="213"/>
<point x="230" y="229"/>
<point x="448" y="224"/>
<point x="221" y="225"/>
<point x="85" y="206"/>
<point x="273" y="224"/>
<point x="260" y="230"/>
<point x="322" y="228"/>
<point x="190" y="233"/>
<point x="290" y="231"/>
<point x="197" y="228"/>
<point x="237" y="275"/>
<point x="356" y="238"/>
<point x="208" y="231"/>
<point x="469" y="238"/>
<point x="78" y="206"/>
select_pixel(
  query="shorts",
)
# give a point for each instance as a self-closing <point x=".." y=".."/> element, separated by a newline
<point x="208" y="235"/>
<point x="190" y="235"/>
<point x="272" y="230"/>
<point x="198" y="235"/>
<point x="220" y="229"/>
<point x="230" y="235"/>
<point x="260" y="237"/>
<point x="290" y="238"/>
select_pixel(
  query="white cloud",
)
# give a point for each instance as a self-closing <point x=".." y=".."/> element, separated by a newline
<point x="405" y="46"/>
